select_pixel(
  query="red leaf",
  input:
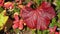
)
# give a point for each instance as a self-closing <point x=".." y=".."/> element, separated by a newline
<point x="38" y="18"/>
<point x="8" y="5"/>
<point x="52" y="30"/>
<point x="56" y="32"/>
<point x="15" y="25"/>
<point x="1" y="3"/>
<point x="21" y="24"/>
<point x="16" y="21"/>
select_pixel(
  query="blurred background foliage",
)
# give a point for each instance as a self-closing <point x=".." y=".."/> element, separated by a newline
<point x="54" y="21"/>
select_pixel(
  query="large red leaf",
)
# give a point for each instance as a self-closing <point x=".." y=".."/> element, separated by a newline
<point x="38" y="18"/>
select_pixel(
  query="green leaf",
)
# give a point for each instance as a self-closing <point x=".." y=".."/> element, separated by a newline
<point x="33" y="31"/>
<point x="26" y="1"/>
<point x="1" y="9"/>
<point x="53" y="23"/>
<point x="58" y="15"/>
<point x="17" y="31"/>
<point x="46" y="32"/>
<point x="57" y="4"/>
<point x="16" y="10"/>
<point x="58" y="24"/>
<point x="39" y="32"/>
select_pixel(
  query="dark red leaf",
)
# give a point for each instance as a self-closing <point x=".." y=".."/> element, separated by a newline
<point x="38" y="18"/>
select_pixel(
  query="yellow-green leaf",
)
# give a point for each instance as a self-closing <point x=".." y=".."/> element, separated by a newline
<point x="3" y="19"/>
